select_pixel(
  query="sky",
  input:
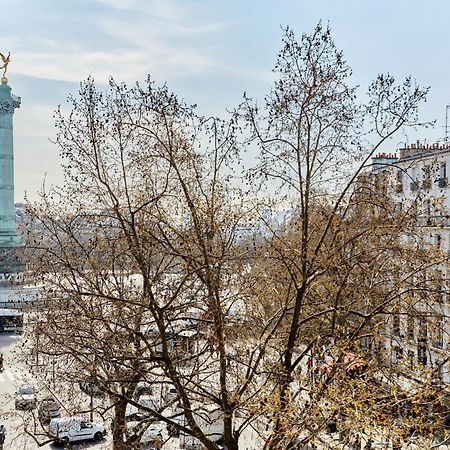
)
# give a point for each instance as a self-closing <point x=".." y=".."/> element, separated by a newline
<point x="208" y="51"/>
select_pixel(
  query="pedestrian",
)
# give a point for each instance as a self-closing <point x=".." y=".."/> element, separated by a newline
<point x="157" y="445"/>
<point x="357" y="442"/>
<point x="2" y="435"/>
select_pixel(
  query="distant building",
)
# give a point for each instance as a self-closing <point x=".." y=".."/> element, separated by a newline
<point x="417" y="178"/>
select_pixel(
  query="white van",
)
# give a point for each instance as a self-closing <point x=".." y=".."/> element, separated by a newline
<point x="210" y="422"/>
<point x="73" y="429"/>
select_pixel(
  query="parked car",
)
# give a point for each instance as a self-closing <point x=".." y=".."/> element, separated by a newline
<point x="91" y="388"/>
<point x="208" y="419"/>
<point x="147" y="402"/>
<point x="173" y="430"/>
<point x="178" y="417"/>
<point x="142" y="388"/>
<point x="134" y="415"/>
<point x="48" y="409"/>
<point x="151" y="436"/>
<point x="25" y="398"/>
<point x="74" y="429"/>
<point x="171" y="394"/>
<point x="190" y="443"/>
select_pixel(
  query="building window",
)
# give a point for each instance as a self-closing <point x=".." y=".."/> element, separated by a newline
<point x="422" y="284"/>
<point x="423" y="330"/>
<point x="442" y="180"/>
<point x="426" y="184"/>
<point x="422" y="355"/>
<point x="411" y="356"/>
<point x="399" y="185"/>
<point x="414" y="184"/>
<point x="428" y="207"/>
<point x="438" y="286"/>
<point x="398" y="352"/>
<point x="438" y="332"/>
<point x="396" y="322"/>
<point x="410" y="327"/>
<point x="439" y="372"/>
<point x="366" y="342"/>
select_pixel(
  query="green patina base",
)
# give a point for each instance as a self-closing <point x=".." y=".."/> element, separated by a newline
<point x="10" y="260"/>
<point x="8" y="240"/>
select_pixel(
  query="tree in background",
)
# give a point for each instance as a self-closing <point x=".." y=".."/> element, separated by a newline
<point x="157" y="267"/>
<point x="330" y="269"/>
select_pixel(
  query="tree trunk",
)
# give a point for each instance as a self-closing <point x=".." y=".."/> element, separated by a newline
<point x="229" y="439"/>
<point x="118" y="425"/>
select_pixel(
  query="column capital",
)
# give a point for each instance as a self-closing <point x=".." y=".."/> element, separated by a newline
<point x="8" y="101"/>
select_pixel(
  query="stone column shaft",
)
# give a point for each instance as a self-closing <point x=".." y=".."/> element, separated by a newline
<point x="8" y="102"/>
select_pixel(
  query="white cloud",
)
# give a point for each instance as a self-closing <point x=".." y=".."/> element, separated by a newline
<point x="174" y="40"/>
<point x="122" y="64"/>
<point x="132" y="39"/>
<point x="167" y="9"/>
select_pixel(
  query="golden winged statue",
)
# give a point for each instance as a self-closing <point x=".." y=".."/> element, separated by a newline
<point x="5" y="62"/>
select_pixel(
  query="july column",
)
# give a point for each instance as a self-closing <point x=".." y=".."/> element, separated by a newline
<point x="8" y="103"/>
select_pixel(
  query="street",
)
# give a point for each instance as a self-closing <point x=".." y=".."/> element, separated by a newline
<point x="12" y="376"/>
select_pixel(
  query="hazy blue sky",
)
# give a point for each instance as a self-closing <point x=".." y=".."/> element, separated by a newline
<point x="209" y="52"/>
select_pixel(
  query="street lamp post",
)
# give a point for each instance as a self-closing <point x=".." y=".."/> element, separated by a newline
<point x="53" y="372"/>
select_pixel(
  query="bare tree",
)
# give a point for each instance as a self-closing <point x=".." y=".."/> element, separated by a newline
<point x="156" y="267"/>
<point x="331" y="266"/>
<point x="135" y="255"/>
